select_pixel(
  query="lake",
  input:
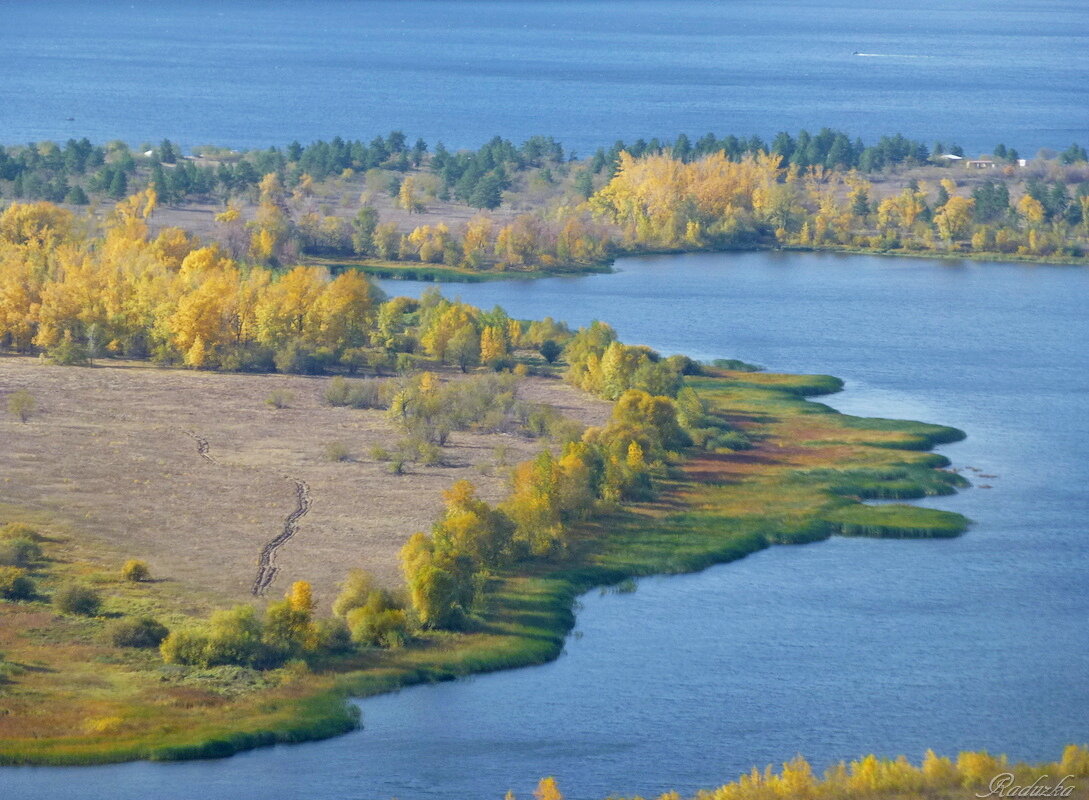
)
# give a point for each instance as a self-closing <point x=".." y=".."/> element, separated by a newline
<point x="264" y="72"/>
<point x="832" y="650"/>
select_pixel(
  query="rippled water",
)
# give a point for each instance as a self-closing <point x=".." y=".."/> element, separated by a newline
<point x="263" y="72"/>
<point x="832" y="650"/>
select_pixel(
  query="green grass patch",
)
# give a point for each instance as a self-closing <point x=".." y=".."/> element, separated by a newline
<point x="419" y="271"/>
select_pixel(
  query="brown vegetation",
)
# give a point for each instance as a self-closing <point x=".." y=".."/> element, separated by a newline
<point x="116" y="451"/>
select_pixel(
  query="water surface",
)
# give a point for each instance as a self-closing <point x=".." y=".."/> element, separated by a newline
<point x="264" y="72"/>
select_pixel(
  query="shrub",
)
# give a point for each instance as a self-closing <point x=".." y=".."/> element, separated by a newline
<point x="280" y="398"/>
<point x="297" y="359"/>
<point x="78" y="600"/>
<point x="550" y="350"/>
<point x="366" y="393"/>
<point x="136" y="571"/>
<point x="332" y="635"/>
<point x="378" y="624"/>
<point x="19" y="551"/>
<point x="15" y="584"/>
<point x="355" y="590"/>
<point x="231" y="637"/>
<point x="68" y="353"/>
<point x="137" y="632"/>
<point x="21" y="404"/>
<point x="336" y="393"/>
<point x="19" y="529"/>
<point x="337" y="451"/>
<point x="184" y="647"/>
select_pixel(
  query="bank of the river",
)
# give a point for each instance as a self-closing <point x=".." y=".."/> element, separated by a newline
<point x="802" y="481"/>
<point x="418" y="271"/>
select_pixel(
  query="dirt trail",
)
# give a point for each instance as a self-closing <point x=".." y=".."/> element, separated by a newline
<point x="266" y="569"/>
<point x="202" y="446"/>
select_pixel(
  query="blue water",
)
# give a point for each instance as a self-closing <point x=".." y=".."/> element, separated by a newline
<point x="264" y="72"/>
<point x="832" y="650"/>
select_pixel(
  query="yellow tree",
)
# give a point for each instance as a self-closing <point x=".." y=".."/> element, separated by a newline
<point x="493" y="345"/>
<point x="282" y="308"/>
<point x="476" y="241"/>
<point x="547" y="790"/>
<point x="1031" y="210"/>
<point x="342" y="314"/>
<point x="955" y="217"/>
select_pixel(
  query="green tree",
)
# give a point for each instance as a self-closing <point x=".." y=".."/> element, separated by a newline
<point x="488" y="192"/>
<point x="363" y="227"/>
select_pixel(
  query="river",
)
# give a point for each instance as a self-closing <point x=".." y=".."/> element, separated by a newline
<point x="832" y="650"/>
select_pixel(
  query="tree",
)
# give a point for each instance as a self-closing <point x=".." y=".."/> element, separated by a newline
<point x="955" y="217"/>
<point x="547" y="790"/>
<point x="363" y="226"/>
<point x="550" y="351"/>
<point x="488" y="192"/>
<point x="21" y="404"/>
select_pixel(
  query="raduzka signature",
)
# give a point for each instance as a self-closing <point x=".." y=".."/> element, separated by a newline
<point x="1003" y="785"/>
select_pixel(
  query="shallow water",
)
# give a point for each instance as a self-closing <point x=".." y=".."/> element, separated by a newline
<point x="264" y="72"/>
<point x="832" y="650"/>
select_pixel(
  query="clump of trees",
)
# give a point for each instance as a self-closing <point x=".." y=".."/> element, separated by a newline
<point x="374" y="616"/>
<point x="240" y="636"/>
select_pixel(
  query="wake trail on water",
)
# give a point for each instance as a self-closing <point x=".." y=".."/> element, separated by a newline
<point x="890" y="55"/>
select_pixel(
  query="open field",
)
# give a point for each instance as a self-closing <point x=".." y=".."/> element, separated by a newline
<point x="195" y="472"/>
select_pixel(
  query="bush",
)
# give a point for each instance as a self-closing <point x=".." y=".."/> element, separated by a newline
<point x="550" y="350"/>
<point x="19" y="529"/>
<point x="78" y="600"/>
<point x="296" y="359"/>
<point x="19" y="551"/>
<point x="248" y="358"/>
<point x="137" y="632"/>
<point x="136" y="571"/>
<point x="378" y="623"/>
<point x="366" y="393"/>
<point x="354" y="592"/>
<point x="280" y="398"/>
<point x="15" y="584"/>
<point x="332" y="635"/>
<point x="68" y="353"/>
<point x="21" y="405"/>
<point x="337" y="451"/>
<point x="231" y="637"/>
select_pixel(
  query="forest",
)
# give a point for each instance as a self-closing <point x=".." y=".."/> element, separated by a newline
<point x="536" y="207"/>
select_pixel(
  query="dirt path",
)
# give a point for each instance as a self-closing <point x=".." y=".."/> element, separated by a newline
<point x="266" y="569"/>
<point x="202" y="446"/>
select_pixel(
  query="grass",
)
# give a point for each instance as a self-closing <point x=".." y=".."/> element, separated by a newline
<point x="418" y="271"/>
<point x="803" y="481"/>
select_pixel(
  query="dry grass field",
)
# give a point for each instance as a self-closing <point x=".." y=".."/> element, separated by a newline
<point x="196" y="473"/>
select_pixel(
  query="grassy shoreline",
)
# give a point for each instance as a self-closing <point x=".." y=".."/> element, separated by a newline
<point x="437" y="273"/>
<point x="803" y="481"/>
